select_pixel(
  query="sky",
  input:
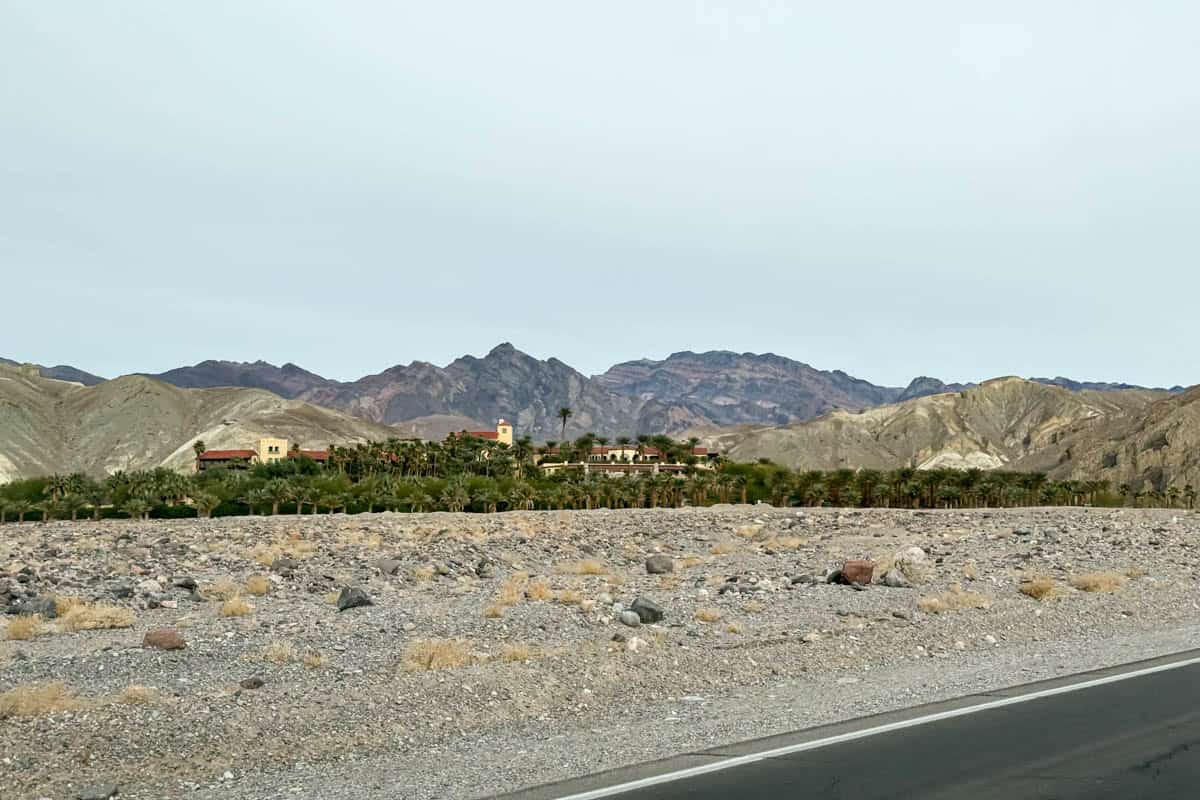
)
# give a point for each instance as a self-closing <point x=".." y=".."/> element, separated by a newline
<point x="955" y="189"/>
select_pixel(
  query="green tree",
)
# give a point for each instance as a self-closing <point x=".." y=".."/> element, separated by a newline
<point x="564" y="414"/>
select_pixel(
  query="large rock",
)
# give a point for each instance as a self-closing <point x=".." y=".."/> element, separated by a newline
<point x="353" y="597"/>
<point x="164" y="639"/>
<point x="102" y="791"/>
<point x="45" y="606"/>
<point x="895" y="579"/>
<point x="659" y="564"/>
<point x="857" y="571"/>
<point x="630" y="618"/>
<point x="388" y="566"/>
<point x="913" y="563"/>
<point x="647" y="610"/>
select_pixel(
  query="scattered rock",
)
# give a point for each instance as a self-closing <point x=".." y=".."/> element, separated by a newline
<point x="485" y="569"/>
<point x="858" y="571"/>
<point x="895" y="579"/>
<point x="388" y="566"/>
<point x="164" y="639"/>
<point x="630" y="618"/>
<point x="353" y="597"/>
<point x="254" y="682"/>
<point x="284" y="566"/>
<point x="101" y="791"/>
<point x="647" y="610"/>
<point x="659" y="564"/>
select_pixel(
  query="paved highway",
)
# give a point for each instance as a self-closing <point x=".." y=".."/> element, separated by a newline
<point x="1137" y="737"/>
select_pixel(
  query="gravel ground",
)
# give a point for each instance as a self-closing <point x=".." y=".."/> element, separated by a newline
<point x="538" y="689"/>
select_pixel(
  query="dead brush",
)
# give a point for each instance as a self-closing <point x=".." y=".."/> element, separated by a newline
<point x="954" y="600"/>
<point x="538" y="590"/>
<point x="313" y="659"/>
<point x="137" y="695"/>
<point x="223" y="589"/>
<point x="23" y="628"/>
<point x="236" y="606"/>
<point x="494" y="611"/>
<point x="588" y="566"/>
<point x="517" y="652"/>
<point x="1038" y="588"/>
<point x="687" y="562"/>
<point x="424" y="655"/>
<point x="423" y="573"/>
<point x="279" y="653"/>
<point x="568" y="597"/>
<point x="708" y="615"/>
<point x="38" y="700"/>
<point x="1098" y="582"/>
<point x="93" y="617"/>
<point x="512" y="591"/>
<point x="258" y="585"/>
<point x="722" y="548"/>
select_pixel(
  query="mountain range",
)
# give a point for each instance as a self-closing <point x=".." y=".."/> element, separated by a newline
<point x="686" y="391"/>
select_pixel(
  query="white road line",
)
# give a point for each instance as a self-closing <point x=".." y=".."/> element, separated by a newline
<point x="737" y="761"/>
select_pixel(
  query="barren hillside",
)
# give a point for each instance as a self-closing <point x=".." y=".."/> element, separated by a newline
<point x="994" y="425"/>
<point x="136" y="422"/>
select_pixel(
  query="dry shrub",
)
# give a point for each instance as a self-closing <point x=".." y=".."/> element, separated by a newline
<point x="64" y="604"/>
<point x="279" y="653"/>
<point x="494" y="611"/>
<point x="236" y="606"/>
<point x="1133" y="573"/>
<point x="538" y="590"/>
<point x="223" y="589"/>
<point x="137" y="695"/>
<point x="331" y="597"/>
<point x="788" y="542"/>
<point x="423" y="655"/>
<point x="1098" y="582"/>
<point x="1038" y="588"/>
<point x="512" y="591"/>
<point x="723" y="548"/>
<point x="88" y="617"/>
<point x="258" y="585"/>
<point x="313" y="659"/>
<point x="733" y="627"/>
<point x="568" y="597"/>
<point x="970" y="571"/>
<point x="690" y="561"/>
<point x="37" y="700"/>
<point x="754" y="606"/>
<point x="588" y="566"/>
<point x="24" y="628"/>
<point x="290" y="547"/>
<point x="516" y="652"/>
<point x="708" y="615"/>
<point x="954" y="600"/>
<point x="423" y="574"/>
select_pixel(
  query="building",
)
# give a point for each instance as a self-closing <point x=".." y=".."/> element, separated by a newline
<point x="270" y="450"/>
<point x="503" y="433"/>
<point x="627" y="459"/>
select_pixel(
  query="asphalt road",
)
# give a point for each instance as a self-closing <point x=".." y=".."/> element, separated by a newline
<point x="1134" y="738"/>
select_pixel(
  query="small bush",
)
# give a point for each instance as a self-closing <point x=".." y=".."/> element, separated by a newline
<point x="279" y="653"/>
<point x="723" y="548"/>
<point x="568" y="597"/>
<point x="236" y="607"/>
<point x="424" y="655"/>
<point x="589" y="566"/>
<point x="88" y="617"/>
<point x="38" y="700"/>
<point x="24" y="628"/>
<point x="423" y="574"/>
<point x="733" y="627"/>
<point x="494" y="611"/>
<point x="312" y="659"/>
<point x="708" y="615"/>
<point x="223" y="589"/>
<point x="516" y="652"/>
<point x="1038" y="588"/>
<point x="754" y="606"/>
<point x="538" y="590"/>
<point x="954" y="600"/>
<point x="690" y="561"/>
<point x="258" y="585"/>
<point x="1098" y="582"/>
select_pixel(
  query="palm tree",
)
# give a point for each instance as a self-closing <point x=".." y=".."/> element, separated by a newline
<point x="71" y="502"/>
<point x="277" y="491"/>
<point x="565" y="414"/>
<point x="20" y="507"/>
<point x="205" y="503"/>
<point x="136" y="508"/>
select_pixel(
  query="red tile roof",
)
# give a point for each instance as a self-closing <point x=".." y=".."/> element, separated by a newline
<point x="315" y="455"/>
<point x="483" y="434"/>
<point x="226" y="455"/>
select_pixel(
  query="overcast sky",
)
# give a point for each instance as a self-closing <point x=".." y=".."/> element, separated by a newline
<point x="948" y="188"/>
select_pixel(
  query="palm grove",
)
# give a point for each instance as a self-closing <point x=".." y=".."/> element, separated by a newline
<point x="464" y="473"/>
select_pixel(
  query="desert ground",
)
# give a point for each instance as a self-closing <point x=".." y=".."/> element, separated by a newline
<point x="211" y="658"/>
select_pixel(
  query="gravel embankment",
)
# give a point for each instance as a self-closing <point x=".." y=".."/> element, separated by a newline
<point x="543" y="691"/>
